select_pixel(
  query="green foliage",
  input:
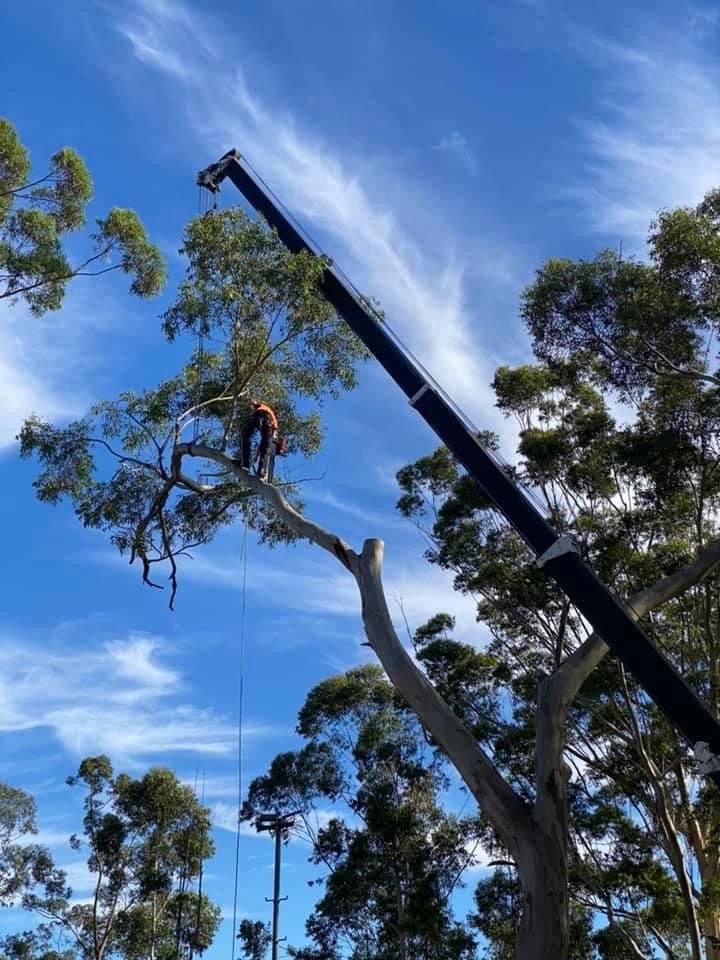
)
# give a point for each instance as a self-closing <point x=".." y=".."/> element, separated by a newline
<point x="391" y="857"/>
<point x="628" y="321"/>
<point x="255" y="938"/>
<point x="33" y="945"/>
<point x="188" y="923"/>
<point x="121" y="233"/>
<point x="14" y="166"/>
<point x="35" y="215"/>
<point x="640" y="495"/>
<point x="145" y="841"/>
<point x="256" y="325"/>
<point x="22" y="864"/>
<point x="282" y="337"/>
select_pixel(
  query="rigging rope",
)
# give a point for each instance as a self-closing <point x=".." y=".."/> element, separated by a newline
<point x="240" y="732"/>
<point x="199" y="383"/>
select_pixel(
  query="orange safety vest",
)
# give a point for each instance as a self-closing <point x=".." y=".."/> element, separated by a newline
<point x="269" y="412"/>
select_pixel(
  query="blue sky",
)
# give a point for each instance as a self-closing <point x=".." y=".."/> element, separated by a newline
<point x="439" y="151"/>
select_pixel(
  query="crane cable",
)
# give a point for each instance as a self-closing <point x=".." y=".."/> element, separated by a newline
<point x="240" y="731"/>
<point x="370" y="308"/>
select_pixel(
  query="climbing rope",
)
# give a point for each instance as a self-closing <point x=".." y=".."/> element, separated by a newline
<point x="199" y="383"/>
<point x="240" y="732"/>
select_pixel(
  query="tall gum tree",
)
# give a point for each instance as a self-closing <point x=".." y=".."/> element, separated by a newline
<point x="636" y="328"/>
<point x="23" y="863"/>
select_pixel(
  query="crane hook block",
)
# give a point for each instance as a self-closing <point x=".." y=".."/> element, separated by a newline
<point x="211" y="177"/>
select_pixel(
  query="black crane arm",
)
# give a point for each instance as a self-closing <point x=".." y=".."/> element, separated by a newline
<point x="556" y="555"/>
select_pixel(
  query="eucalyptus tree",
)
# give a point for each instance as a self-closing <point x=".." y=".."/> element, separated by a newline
<point x="22" y="861"/>
<point x="641" y="500"/>
<point x="145" y="842"/>
<point x="390" y="858"/>
<point x="36" y="214"/>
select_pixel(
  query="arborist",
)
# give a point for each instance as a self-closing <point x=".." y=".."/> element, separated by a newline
<point x="263" y="420"/>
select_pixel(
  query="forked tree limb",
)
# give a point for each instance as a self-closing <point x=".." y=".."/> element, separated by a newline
<point x="510" y="815"/>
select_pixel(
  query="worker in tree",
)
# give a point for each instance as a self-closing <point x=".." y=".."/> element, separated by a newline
<point x="263" y="420"/>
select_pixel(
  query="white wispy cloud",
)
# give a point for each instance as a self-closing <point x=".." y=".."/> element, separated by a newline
<point x="310" y="586"/>
<point x="374" y="520"/>
<point x="478" y="857"/>
<point x="421" y="291"/>
<point x="79" y="877"/>
<point x="113" y="697"/>
<point x="655" y="139"/>
<point x="34" y="362"/>
<point x="225" y="817"/>
<point x="132" y="660"/>
<point x="457" y="147"/>
<point x="218" y="786"/>
<point x="48" y="364"/>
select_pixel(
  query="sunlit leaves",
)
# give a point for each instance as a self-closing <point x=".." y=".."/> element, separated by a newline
<point x="34" y="216"/>
<point x="14" y="166"/>
<point x="145" y="840"/>
<point x="390" y="856"/>
<point x="253" y="321"/>
<point x="265" y="304"/>
<point x="121" y="235"/>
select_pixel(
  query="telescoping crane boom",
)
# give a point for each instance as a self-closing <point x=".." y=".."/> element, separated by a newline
<point x="556" y="555"/>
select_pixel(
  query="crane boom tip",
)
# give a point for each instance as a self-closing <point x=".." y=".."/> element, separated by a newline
<point x="211" y="177"/>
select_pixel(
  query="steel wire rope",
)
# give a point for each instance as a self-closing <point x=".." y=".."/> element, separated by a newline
<point x="497" y="459"/>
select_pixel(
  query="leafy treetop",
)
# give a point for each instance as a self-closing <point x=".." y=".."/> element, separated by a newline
<point x="35" y="215"/>
<point x="255" y="324"/>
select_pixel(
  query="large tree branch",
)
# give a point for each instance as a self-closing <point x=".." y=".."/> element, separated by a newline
<point x="574" y="671"/>
<point x="509" y="814"/>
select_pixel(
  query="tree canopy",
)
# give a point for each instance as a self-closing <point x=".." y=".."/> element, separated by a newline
<point x="145" y="841"/>
<point x="35" y="216"/>
<point x="256" y="325"/>
<point x="22" y="862"/>
<point x="390" y="857"/>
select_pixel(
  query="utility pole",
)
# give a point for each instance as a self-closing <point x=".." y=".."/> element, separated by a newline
<point x="278" y="824"/>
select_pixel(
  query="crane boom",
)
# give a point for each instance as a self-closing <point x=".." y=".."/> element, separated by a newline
<point x="556" y="555"/>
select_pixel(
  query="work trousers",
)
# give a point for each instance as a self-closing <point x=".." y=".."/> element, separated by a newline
<point x="261" y="424"/>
